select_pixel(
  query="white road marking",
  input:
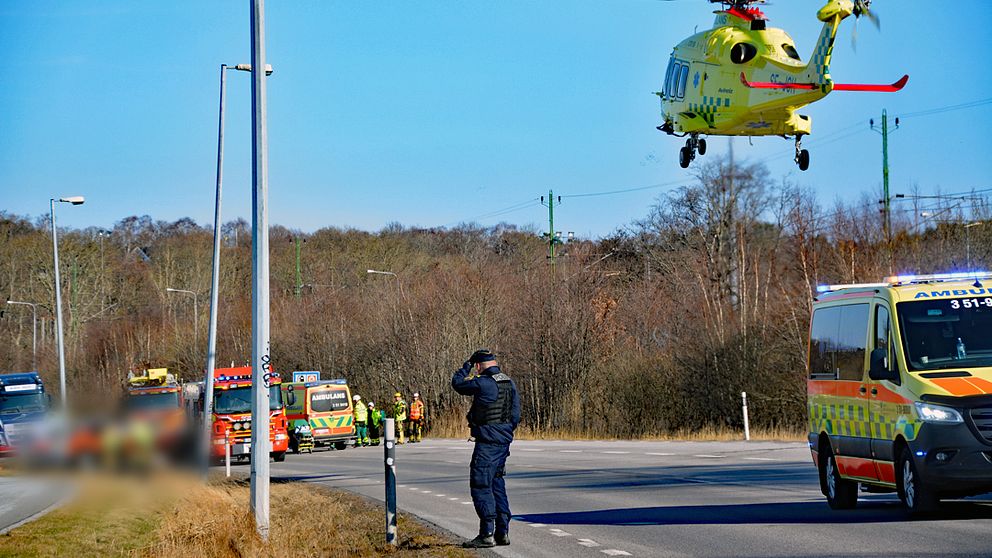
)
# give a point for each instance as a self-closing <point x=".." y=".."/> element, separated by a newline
<point x="440" y="495"/>
<point x="617" y="452"/>
<point x="452" y="499"/>
<point x="760" y="459"/>
<point x="710" y="456"/>
<point x="401" y="485"/>
<point x="529" y="449"/>
<point x="466" y="503"/>
<point x="537" y="525"/>
<point x="559" y="533"/>
<point x="570" y="451"/>
<point x="589" y="543"/>
<point x="659" y="454"/>
<point x="414" y="488"/>
<point x="615" y="552"/>
<point x="426" y="491"/>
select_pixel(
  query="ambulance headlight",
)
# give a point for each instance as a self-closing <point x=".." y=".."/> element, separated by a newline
<point x="237" y="426"/>
<point x="938" y="414"/>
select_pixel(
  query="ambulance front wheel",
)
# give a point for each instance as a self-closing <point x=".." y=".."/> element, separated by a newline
<point x="685" y="157"/>
<point x="279" y="456"/>
<point x="918" y="497"/>
<point x="842" y="494"/>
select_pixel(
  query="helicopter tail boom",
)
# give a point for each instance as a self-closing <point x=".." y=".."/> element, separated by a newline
<point x="879" y="88"/>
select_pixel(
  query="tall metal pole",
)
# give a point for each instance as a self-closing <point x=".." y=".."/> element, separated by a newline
<point x="208" y="394"/>
<point x="58" y="309"/>
<point x="260" y="278"/>
<point x="299" y="277"/>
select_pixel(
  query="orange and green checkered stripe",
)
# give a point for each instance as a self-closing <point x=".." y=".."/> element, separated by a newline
<point x="331" y="422"/>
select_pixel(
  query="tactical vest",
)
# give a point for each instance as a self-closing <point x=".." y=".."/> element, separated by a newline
<point x="497" y="412"/>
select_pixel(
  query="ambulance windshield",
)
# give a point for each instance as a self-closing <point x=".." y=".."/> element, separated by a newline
<point x="947" y="333"/>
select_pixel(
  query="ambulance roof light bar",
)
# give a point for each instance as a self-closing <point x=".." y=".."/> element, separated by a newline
<point x="828" y="288"/>
<point x="957" y="276"/>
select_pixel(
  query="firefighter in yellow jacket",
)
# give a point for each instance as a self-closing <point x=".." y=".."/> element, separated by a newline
<point x="417" y="419"/>
<point x="399" y="415"/>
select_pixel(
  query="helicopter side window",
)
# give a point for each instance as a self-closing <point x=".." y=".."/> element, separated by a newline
<point x="742" y="53"/>
<point x="672" y="86"/>
<point x="668" y="77"/>
<point x="790" y="51"/>
<point x="682" y="81"/>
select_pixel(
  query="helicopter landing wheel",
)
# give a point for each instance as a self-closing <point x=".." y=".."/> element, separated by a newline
<point x="803" y="160"/>
<point x="701" y="146"/>
<point x="685" y="157"/>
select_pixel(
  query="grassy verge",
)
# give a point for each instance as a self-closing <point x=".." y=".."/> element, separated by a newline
<point x="177" y="518"/>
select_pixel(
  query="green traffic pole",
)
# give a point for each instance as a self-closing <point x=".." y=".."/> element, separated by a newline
<point x="551" y="225"/>
<point x="885" y="175"/>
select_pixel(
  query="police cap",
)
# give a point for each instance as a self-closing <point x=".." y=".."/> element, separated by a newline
<point x="482" y="355"/>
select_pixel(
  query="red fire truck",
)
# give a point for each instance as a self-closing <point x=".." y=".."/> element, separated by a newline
<point x="231" y="420"/>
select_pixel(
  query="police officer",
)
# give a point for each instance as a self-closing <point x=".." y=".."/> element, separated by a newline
<point x="493" y="418"/>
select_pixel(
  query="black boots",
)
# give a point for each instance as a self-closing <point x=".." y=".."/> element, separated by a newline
<point x="502" y="540"/>
<point x="481" y="541"/>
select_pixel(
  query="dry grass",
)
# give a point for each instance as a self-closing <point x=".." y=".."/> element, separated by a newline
<point x="456" y="428"/>
<point x="177" y="518"/>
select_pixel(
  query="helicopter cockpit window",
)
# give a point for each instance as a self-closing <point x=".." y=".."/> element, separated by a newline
<point x="682" y="81"/>
<point x="743" y="53"/>
<point x="790" y="51"/>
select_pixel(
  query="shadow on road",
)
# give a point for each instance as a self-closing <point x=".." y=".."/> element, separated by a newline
<point x="748" y="514"/>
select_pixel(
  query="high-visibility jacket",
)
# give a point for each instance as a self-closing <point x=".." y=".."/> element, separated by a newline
<point x="361" y="412"/>
<point x="417" y="410"/>
<point x="376" y="417"/>
<point x="399" y="410"/>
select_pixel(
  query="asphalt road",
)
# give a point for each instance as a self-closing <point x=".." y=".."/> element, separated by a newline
<point x="654" y="499"/>
<point x="23" y="499"/>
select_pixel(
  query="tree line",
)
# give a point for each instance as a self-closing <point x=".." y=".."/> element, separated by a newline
<point x="652" y="330"/>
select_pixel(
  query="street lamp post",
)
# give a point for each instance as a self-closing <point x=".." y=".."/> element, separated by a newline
<point x="967" y="232"/>
<point x="398" y="282"/>
<point x="34" y="330"/>
<point x="196" y="314"/>
<point x="208" y="395"/>
<point x="74" y="200"/>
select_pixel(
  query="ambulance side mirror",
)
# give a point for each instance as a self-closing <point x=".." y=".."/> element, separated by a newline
<point x="291" y="397"/>
<point x="878" y="369"/>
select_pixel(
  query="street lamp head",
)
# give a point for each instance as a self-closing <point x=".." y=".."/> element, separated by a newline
<point x="247" y="68"/>
<point x="74" y="200"/>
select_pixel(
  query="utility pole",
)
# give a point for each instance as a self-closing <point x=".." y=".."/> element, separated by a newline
<point x="552" y="239"/>
<point x="886" y="200"/>
<point x="260" y="355"/>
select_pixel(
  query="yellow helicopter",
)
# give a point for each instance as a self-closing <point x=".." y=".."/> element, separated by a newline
<point x="743" y="78"/>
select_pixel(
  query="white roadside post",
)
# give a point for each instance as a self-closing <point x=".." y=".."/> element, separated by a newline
<point x="390" y="458"/>
<point x="227" y="455"/>
<point x="747" y="427"/>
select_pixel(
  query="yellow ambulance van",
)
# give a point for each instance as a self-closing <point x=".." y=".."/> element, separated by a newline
<point x="900" y="388"/>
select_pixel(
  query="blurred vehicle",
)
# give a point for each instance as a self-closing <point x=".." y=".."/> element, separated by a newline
<point x="154" y="413"/>
<point x="24" y="405"/>
<point x="326" y="406"/>
<point x="231" y="420"/>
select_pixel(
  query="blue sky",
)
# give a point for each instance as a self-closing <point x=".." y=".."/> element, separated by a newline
<point x="433" y="112"/>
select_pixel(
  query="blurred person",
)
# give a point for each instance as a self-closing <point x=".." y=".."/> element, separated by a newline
<point x="417" y="419"/>
<point x="361" y="413"/>
<point x="399" y="416"/>
<point x="493" y="418"/>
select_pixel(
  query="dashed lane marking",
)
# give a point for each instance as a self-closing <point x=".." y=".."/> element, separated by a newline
<point x="530" y="449"/>
<point x="414" y="488"/>
<point x="710" y="456"/>
<point x="452" y="499"/>
<point x="466" y="503"/>
<point x="570" y="451"/>
<point x="559" y="533"/>
<point x="615" y="552"/>
<point x="426" y="491"/>
<point x="659" y="454"/>
<point x="537" y="525"/>
<point x="617" y="452"/>
<point x="440" y="495"/>
<point x="401" y="485"/>
<point x="760" y="459"/>
<point x="589" y="543"/>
